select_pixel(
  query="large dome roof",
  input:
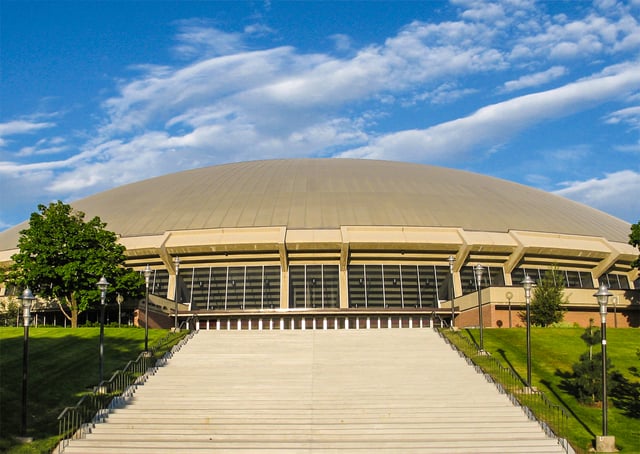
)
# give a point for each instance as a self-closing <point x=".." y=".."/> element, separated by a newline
<point x="330" y="193"/>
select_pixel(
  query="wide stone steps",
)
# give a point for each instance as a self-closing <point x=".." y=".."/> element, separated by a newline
<point x="342" y="391"/>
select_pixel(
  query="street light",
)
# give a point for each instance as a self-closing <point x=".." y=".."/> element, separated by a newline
<point x="102" y="285"/>
<point x="451" y="261"/>
<point x="479" y="269"/>
<point x="27" y="299"/>
<point x="176" y="261"/>
<point x="527" y="283"/>
<point x="602" y="296"/>
<point x="119" y="300"/>
<point x="509" y="295"/>
<point x="147" y="276"/>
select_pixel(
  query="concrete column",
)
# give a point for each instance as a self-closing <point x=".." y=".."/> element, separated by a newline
<point x="344" y="289"/>
<point x="171" y="287"/>
<point x="284" y="289"/>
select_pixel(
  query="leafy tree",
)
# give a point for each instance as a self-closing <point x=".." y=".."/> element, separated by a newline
<point x="9" y="310"/>
<point x="62" y="257"/>
<point x="548" y="298"/>
<point x="634" y="240"/>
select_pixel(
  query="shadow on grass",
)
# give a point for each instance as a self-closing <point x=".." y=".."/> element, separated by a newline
<point x="508" y="361"/>
<point x="61" y="370"/>
<point x="567" y="388"/>
<point x="473" y="338"/>
<point x="626" y="396"/>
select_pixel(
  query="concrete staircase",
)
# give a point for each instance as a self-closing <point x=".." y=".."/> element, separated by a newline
<point x="342" y="391"/>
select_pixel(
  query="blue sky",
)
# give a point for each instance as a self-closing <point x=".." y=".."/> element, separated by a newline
<point x="96" y="94"/>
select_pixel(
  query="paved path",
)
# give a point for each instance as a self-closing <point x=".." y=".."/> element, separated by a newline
<point x="342" y="391"/>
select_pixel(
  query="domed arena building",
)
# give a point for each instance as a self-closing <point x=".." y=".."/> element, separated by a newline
<point x="345" y="243"/>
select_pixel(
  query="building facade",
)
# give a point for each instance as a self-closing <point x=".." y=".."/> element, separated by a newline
<point x="338" y="243"/>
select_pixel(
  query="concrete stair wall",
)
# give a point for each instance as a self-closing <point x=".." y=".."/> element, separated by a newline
<point x="391" y="390"/>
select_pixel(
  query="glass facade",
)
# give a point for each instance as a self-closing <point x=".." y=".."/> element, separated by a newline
<point x="158" y="282"/>
<point x="572" y="279"/>
<point x="615" y="281"/>
<point x="314" y="286"/>
<point x="491" y="276"/>
<point x="317" y="286"/>
<point x="397" y="286"/>
<point x="233" y="287"/>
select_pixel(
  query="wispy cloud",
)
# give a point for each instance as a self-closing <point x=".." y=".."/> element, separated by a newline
<point x="494" y="124"/>
<point x="615" y="192"/>
<point x="534" y="80"/>
<point x="630" y="116"/>
<point x="18" y="127"/>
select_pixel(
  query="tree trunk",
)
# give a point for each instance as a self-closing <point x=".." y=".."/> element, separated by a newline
<point x="74" y="310"/>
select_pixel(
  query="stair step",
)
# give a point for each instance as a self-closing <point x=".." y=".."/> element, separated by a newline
<point x="349" y="391"/>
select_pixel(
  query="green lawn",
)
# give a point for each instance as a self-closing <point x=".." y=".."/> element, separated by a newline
<point x="63" y="364"/>
<point x="553" y="352"/>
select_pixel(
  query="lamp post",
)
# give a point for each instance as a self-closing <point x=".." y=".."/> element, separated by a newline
<point x="102" y="285"/>
<point x="119" y="300"/>
<point x="602" y="296"/>
<point x="176" y="261"/>
<point x="509" y="295"/>
<point x="451" y="261"/>
<point x="479" y="269"/>
<point x="147" y="276"/>
<point x="527" y="283"/>
<point x="27" y="299"/>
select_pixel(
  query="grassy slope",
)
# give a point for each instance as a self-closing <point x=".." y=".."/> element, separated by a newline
<point x="63" y="364"/>
<point x="553" y="352"/>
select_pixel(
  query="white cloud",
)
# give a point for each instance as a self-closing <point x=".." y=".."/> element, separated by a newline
<point x="615" y="193"/>
<point x="630" y="115"/>
<point x="493" y="124"/>
<point x="342" y="42"/>
<point x="18" y="127"/>
<point x="197" y="39"/>
<point x="534" y="80"/>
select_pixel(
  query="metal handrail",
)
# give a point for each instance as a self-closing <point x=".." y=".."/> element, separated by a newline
<point x="553" y="418"/>
<point x="75" y="422"/>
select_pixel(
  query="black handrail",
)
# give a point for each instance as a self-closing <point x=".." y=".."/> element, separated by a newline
<point x="552" y="417"/>
<point x="74" y="422"/>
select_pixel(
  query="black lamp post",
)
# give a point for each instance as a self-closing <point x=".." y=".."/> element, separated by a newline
<point x="527" y="283"/>
<point x="479" y="269"/>
<point x="602" y="296"/>
<point x="119" y="300"/>
<point x="147" y="276"/>
<point x="451" y="261"/>
<point x="102" y="285"/>
<point x="509" y="295"/>
<point x="176" y="261"/>
<point x="27" y="299"/>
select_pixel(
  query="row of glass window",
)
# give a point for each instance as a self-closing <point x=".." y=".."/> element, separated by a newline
<point x="317" y="286"/>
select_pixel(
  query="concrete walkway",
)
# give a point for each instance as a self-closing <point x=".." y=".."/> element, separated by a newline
<point x="343" y="391"/>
